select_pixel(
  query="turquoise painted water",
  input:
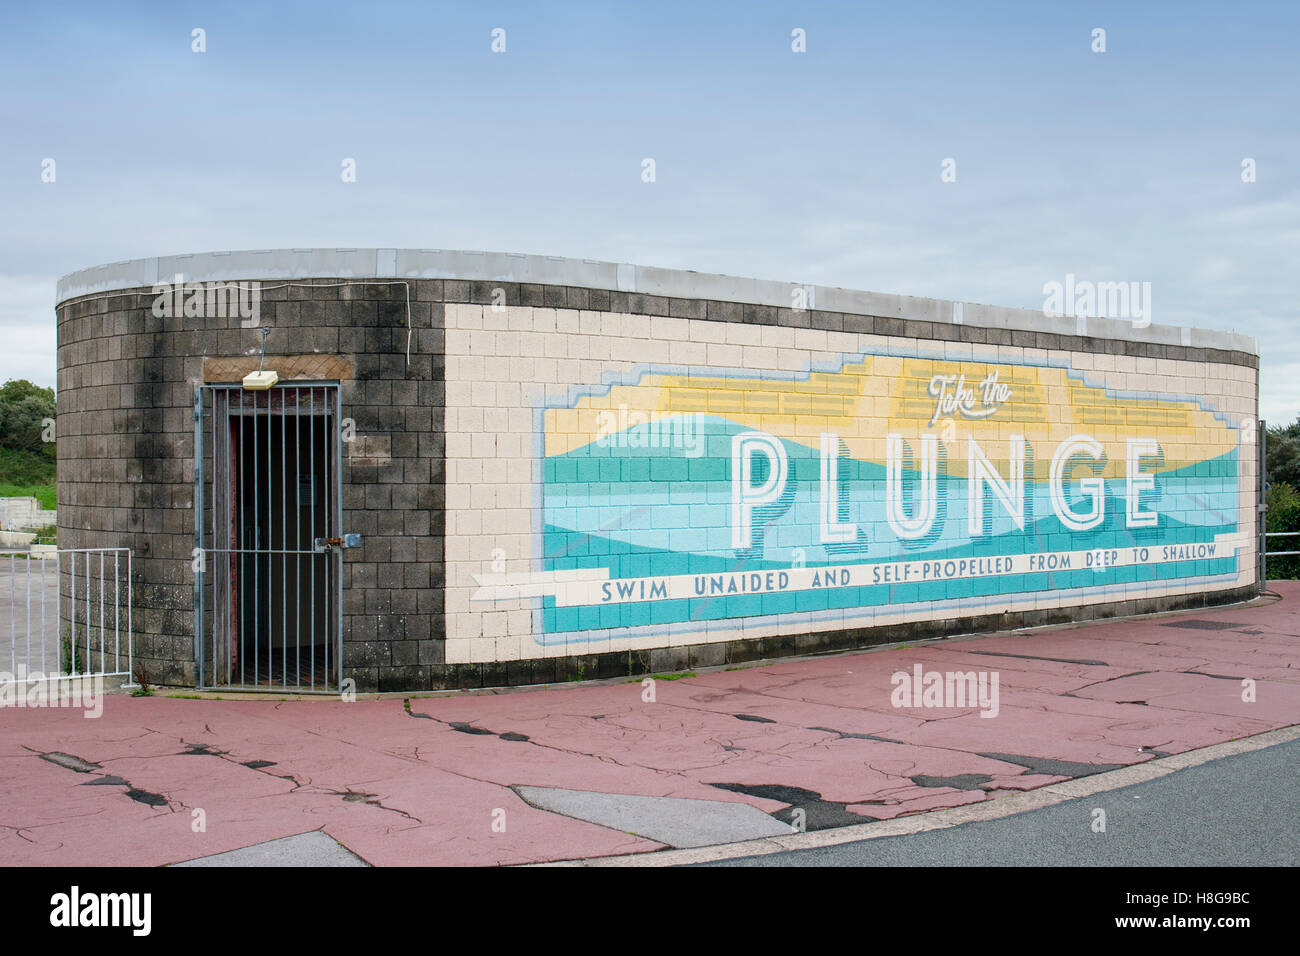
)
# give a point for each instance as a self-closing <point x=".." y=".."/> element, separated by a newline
<point x="640" y="511"/>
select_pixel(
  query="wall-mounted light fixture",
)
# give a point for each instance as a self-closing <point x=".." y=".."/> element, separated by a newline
<point x="260" y="381"/>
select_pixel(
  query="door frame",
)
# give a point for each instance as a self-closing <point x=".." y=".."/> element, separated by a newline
<point x="216" y="407"/>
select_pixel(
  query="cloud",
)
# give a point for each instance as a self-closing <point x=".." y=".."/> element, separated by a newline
<point x="27" y="327"/>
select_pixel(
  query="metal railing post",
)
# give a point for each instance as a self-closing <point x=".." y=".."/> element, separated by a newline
<point x="198" y="534"/>
<point x="1261" y="506"/>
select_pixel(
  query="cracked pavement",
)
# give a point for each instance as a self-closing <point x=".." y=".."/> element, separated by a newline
<point x="433" y="780"/>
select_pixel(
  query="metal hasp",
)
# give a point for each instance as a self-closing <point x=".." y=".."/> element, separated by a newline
<point x="324" y="545"/>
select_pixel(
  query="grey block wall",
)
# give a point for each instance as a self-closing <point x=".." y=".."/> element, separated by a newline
<point x="125" y="430"/>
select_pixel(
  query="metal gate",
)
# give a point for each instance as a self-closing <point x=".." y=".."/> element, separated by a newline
<point x="267" y="472"/>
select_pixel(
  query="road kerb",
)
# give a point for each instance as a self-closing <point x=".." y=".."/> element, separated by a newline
<point x="1004" y="806"/>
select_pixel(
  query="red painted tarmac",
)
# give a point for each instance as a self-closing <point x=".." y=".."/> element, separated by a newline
<point x="407" y="787"/>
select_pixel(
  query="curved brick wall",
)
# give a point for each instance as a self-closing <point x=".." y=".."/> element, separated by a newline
<point x="517" y="448"/>
<point x="126" y="440"/>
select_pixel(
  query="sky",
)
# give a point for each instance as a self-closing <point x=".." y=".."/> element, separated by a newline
<point x="823" y="167"/>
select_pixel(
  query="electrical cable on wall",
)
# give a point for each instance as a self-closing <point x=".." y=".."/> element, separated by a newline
<point x="323" y="285"/>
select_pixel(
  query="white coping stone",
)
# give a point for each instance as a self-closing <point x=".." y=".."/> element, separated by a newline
<point x="281" y="264"/>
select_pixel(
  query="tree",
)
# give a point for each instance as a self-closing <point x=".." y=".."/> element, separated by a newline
<point x="24" y="408"/>
<point x="1282" y="460"/>
<point x="1283" y="515"/>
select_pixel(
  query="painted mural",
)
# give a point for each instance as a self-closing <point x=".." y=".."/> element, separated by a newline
<point x="684" y="496"/>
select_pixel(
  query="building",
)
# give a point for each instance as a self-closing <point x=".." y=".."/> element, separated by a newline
<point x="478" y="469"/>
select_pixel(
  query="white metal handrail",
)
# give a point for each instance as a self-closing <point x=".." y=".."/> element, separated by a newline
<point x="92" y="619"/>
<point x="1280" y="534"/>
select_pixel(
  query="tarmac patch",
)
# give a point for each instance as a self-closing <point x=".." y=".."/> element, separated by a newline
<point x="672" y="821"/>
<point x="819" y="814"/>
<point x="962" y="781"/>
<point x="306" y="849"/>
<point x="1055" y="768"/>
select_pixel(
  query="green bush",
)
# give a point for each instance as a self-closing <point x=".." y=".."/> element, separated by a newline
<point x="24" y="410"/>
<point x="27" y="459"/>
<point x="1283" y="515"/>
<point x="21" y="467"/>
<point x="1282" y="461"/>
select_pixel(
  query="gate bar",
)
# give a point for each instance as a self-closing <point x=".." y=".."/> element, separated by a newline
<point x="244" y="553"/>
<point x="198" y="532"/>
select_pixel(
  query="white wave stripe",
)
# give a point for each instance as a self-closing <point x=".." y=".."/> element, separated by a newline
<point x="593" y="586"/>
<point x="513" y="585"/>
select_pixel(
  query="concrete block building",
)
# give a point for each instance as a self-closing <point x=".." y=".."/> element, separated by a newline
<point x="479" y="469"/>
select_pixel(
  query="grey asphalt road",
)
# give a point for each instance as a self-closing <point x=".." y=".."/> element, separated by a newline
<point x="1242" y="810"/>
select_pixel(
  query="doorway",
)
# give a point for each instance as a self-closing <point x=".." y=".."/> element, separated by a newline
<point x="267" y="591"/>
